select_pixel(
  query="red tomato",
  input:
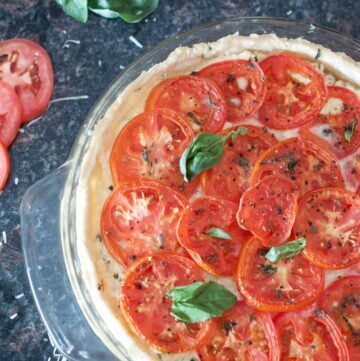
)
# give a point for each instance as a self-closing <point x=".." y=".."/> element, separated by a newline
<point x="197" y="99"/>
<point x="310" y="166"/>
<point x="10" y="114"/>
<point x="241" y="333"/>
<point x="230" y="178"/>
<point x="310" y="334"/>
<point x="341" y="300"/>
<point x="4" y="166"/>
<point x="288" y="284"/>
<point x="268" y="209"/>
<point x="26" y="67"/>
<point x="329" y="219"/>
<point x="146" y="306"/>
<point x="296" y="92"/>
<point x="242" y="83"/>
<point x="139" y="218"/>
<point x="215" y="255"/>
<point x="329" y="129"/>
<point x="150" y="146"/>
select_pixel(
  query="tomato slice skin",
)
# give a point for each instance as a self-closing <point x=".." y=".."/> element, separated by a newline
<point x="139" y="218"/>
<point x="26" y="67"/>
<point x="296" y="91"/>
<point x="241" y="333"/>
<point x="310" y="333"/>
<point x="289" y="284"/>
<point x="329" y="219"/>
<point x="146" y="306"/>
<point x="268" y="209"/>
<point x="242" y="83"/>
<point x="308" y="165"/>
<point x="4" y="165"/>
<point x="230" y="178"/>
<point x="149" y="146"/>
<point x="215" y="255"/>
<point x="195" y="98"/>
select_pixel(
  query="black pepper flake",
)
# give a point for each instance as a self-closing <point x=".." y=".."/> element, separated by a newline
<point x="230" y="78"/>
<point x="228" y="326"/>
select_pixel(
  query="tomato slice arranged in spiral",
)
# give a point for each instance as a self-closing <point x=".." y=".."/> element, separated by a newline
<point x="242" y="83"/>
<point x="4" y="165"/>
<point x="329" y="219"/>
<point x="146" y="306"/>
<point x="139" y="218"/>
<point x="241" y="333"/>
<point x="197" y="99"/>
<point x="296" y="92"/>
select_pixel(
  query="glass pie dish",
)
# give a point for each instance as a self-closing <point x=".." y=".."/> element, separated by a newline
<point x="48" y="210"/>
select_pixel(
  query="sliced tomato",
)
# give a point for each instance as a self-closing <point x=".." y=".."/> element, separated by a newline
<point x="4" y="166"/>
<point x="242" y="83"/>
<point x="197" y="99"/>
<point x="215" y="255"/>
<point x="146" y="306"/>
<point x="341" y="300"/>
<point x="268" y="209"/>
<point x="241" y="333"/>
<point x="149" y="147"/>
<point x="230" y="178"/>
<point x="139" y="218"/>
<point x="296" y="92"/>
<point x="310" y="166"/>
<point x="310" y="334"/>
<point x="288" y="284"/>
<point x="26" y="67"/>
<point x="329" y="219"/>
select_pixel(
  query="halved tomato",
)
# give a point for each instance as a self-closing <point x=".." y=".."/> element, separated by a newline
<point x="230" y="178"/>
<point x="146" y="306"/>
<point x="197" y="99"/>
<point x="242" y="83"/>
<point x="286" y="285"/>
<point x="149" y="147"/>
<point x="214" y="254"/>
<point x="329" y="219"/>
<point x="296" y="92"/>
<point x="241" y="333"/>
<point x="268" y="209"/>
<point x="310" y="166"/>
<point x="26" y="67"/>
<point x="4" y="166"/>
<point x="310" y="334"/>
<point x="139" y="218"/>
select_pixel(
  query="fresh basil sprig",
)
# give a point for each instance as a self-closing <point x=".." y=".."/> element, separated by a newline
<point x="349" y="130"/>
<point x="286" y="250"/>
<point x="205" y="152"/>
<point x="200" y="301"/>
<point x="219" y="233"/>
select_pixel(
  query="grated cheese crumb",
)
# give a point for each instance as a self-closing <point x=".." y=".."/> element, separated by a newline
<point x="121" y="67"/>
<point x="289" y="12"/>
<point x="21" y="295"/>
<point x="70" y="41"/>
<point x="100" y="63"/>
<point x="80" y="97"/>
<point x="135" y="41"/>
<point x="33" y="121"/>
<point x="13" y="316"/>
<point x="4" y="237"/>
<point x="16" y="181"/>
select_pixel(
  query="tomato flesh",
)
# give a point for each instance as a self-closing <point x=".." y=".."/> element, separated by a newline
<point x="4" y="166"/>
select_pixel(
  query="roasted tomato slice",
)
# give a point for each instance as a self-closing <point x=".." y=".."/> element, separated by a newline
<point x="329" y="219"/>
<point x="197" y="99"/>
<point x="241" y="333"/>
<point x="146" y="306"/>
<point x="4" y="166"/>
<point x="296" y="92"/>
<point x="26" y="67"/>
<point x="310" y="334"/>
<point x="150" y="146"/>
<point x="268" y="209"/>
<point x="310" y="166"/>
<point x="288" y="284"/>
<point x="230" y="178"/>
<point x="337" y="127"/>
<point x="243" y="84"/>
<point x="139" y="218"/>
<point x="214" y="254"/>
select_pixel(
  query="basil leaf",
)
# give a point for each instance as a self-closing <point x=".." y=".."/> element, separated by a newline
<point x="286" y="250"/>
<point x="200" y="301"/>
<point x="349" y="130"/>
<point x="219" y="233"/>
<point x="78" y="9"/>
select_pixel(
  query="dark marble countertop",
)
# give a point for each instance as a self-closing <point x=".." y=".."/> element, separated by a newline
<point x="86" y="66"/>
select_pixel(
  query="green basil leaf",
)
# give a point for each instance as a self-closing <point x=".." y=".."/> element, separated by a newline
<point x="242" y="130"/>
<point x="200" y="301"/>
<point x="219" y="233"/>
<point x="349" y="130"/>
<point x="286" y="250"/>
<point x="78" y="9"/>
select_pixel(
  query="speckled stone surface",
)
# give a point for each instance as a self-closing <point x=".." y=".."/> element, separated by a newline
<point x="86" y="67"/>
